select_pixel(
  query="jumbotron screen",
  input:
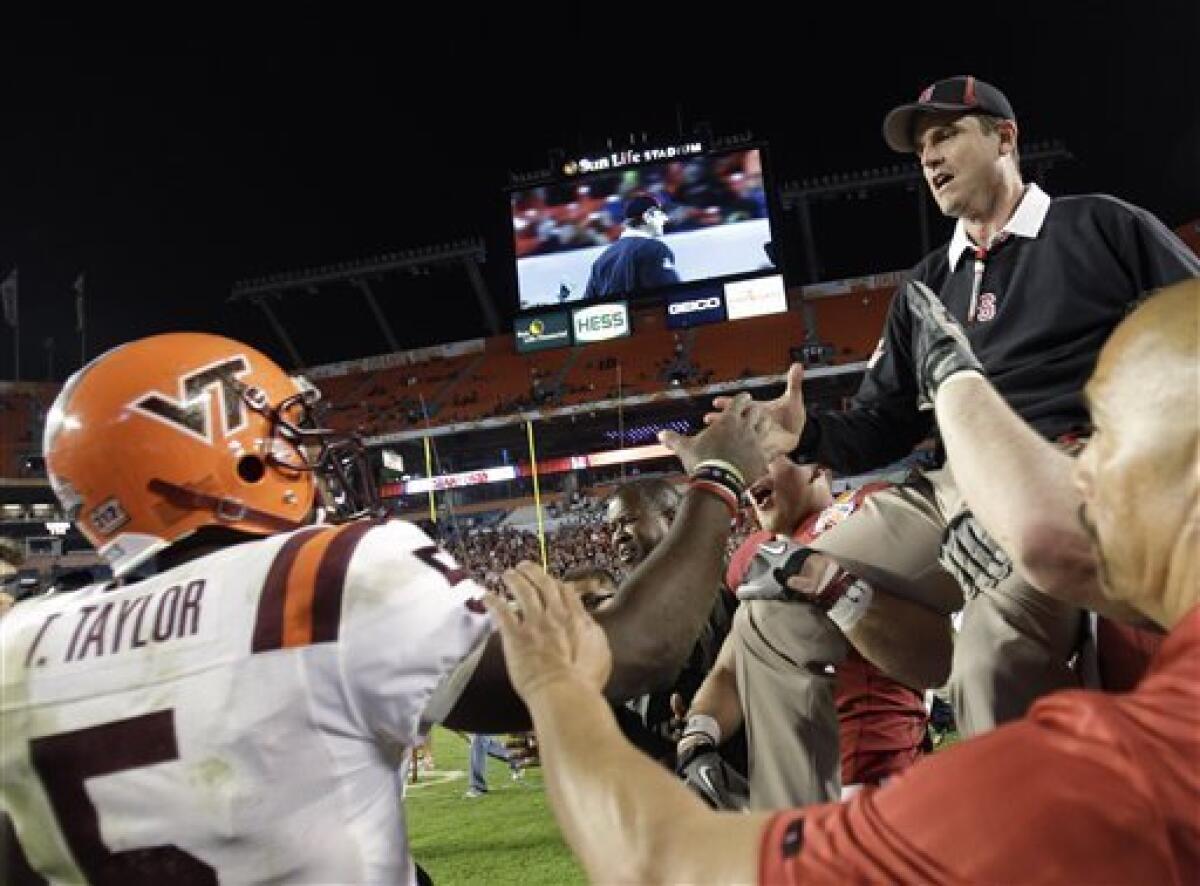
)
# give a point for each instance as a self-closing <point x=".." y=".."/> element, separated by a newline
<point x="646" y="228"/>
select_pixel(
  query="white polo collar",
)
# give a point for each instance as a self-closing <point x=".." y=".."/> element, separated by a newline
<point x="634" y="232"/>
<point x="1026" y="222"/>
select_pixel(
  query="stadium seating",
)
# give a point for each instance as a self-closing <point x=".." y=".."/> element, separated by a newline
<point x="23" y="407"/>
<point x="853" y="322"/>
<point x="378" y="400"/>
<point x="746" y="348"/>
<point x="503" y="382"/>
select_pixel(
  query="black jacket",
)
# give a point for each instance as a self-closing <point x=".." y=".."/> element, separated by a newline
<point x="1054" y="300"/>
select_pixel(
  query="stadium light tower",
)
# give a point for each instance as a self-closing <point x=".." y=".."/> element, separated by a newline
<point x="468" y="255"/>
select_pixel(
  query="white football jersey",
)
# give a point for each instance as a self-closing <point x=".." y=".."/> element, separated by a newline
<point x="241" y="718"/>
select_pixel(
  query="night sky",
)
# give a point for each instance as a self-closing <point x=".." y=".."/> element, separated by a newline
<point x="168" y="159"/>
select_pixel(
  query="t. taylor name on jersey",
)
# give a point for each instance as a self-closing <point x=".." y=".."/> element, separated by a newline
<point x="109" y="627"/>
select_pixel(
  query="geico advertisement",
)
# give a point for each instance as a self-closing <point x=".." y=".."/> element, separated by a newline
<point x="600" y="322"/>
<point x="695" y="309"/>
<point x="753" y="298"/>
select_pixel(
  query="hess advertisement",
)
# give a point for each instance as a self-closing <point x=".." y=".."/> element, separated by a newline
<point x="600" y="322"/>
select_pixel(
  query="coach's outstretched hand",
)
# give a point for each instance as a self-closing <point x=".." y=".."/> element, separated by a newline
<point x="940" y="347"/>
<point x="780" y="420"/>
<point x="733" y="435"/>
<point x="549" y="637"/>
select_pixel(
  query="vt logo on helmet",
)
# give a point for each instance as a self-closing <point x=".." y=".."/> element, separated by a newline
<point x="190" y="413"/>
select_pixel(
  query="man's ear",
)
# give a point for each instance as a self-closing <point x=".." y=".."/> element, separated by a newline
<point x="669" y="513"/>
<point x="1007" y="131"/>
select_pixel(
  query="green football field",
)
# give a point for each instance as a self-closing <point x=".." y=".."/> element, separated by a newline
<point x="506" y="836"/>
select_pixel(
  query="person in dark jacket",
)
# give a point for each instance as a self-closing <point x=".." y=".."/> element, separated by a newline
<point x="1038" y="285"/>
<point x="638" y="260"/>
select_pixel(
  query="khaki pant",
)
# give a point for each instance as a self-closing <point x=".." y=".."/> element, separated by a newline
<point x="785" y="654"/>
<point x="1014" y="645"/>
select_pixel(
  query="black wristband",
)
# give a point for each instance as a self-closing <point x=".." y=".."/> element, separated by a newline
<point x="722" y="476"/>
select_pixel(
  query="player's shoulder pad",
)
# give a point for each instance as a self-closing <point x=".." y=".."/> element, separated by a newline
<point x="301" y="599"/>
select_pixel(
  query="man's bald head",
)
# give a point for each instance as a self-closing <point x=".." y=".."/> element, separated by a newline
<point x="1140" y="473"/>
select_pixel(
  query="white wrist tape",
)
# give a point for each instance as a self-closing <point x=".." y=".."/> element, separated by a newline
<point x="705" y="725"/>
<point x="852" y="606"/>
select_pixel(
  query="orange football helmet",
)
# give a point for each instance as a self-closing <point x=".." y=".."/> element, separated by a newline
<point x="164" y="436"/>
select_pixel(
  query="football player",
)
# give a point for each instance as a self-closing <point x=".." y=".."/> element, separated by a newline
<point x="237" y="704"/>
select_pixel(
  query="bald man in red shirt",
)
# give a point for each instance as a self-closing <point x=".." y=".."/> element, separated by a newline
<point x="1087" y="788"/>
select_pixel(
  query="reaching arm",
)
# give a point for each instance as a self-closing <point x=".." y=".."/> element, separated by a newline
<point x="1017" y="484"/>
<point x="658" y="612"/>
<point x="922" y="661"/>
<point x="718" y="695"/>
<point x="870" y="618"/>
<point x="624" y="816"/>
<point x="652" y="622"/>
<point x="882" y="425"/>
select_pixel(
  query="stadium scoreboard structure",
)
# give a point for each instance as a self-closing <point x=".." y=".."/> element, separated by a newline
<point x="721" y="213"/>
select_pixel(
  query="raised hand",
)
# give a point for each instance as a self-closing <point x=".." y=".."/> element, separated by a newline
<point x="733" y="435"/>
<point x="549" y="637"/>
<point x="940" y="347"/>
<point x="782" y="418"/>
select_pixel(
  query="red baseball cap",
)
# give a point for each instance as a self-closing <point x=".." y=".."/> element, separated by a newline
<point x="963" y="93"/>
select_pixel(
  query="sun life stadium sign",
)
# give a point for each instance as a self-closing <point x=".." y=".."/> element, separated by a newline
<point x="630" y="157"/>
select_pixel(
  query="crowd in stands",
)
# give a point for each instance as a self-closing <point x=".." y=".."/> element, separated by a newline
<point x="585" y="542"/>
<point x="697" y="193"/>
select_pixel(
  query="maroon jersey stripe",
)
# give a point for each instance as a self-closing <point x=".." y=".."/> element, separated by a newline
<point x="14" y="866"/>
<point x="331" y="581"/>
<point x="268" y="626"/>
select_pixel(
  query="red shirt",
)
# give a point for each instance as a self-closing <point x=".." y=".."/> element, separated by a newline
<point x="1088" y="788"/>
<point x="882" y="722"/>
<point x="1124" y="653"/>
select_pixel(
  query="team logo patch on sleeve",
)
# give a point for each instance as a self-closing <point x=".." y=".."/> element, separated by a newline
<point x="843" y="506"/>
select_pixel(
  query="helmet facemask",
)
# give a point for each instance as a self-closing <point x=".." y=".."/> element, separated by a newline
<point x="339" y="462"/>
